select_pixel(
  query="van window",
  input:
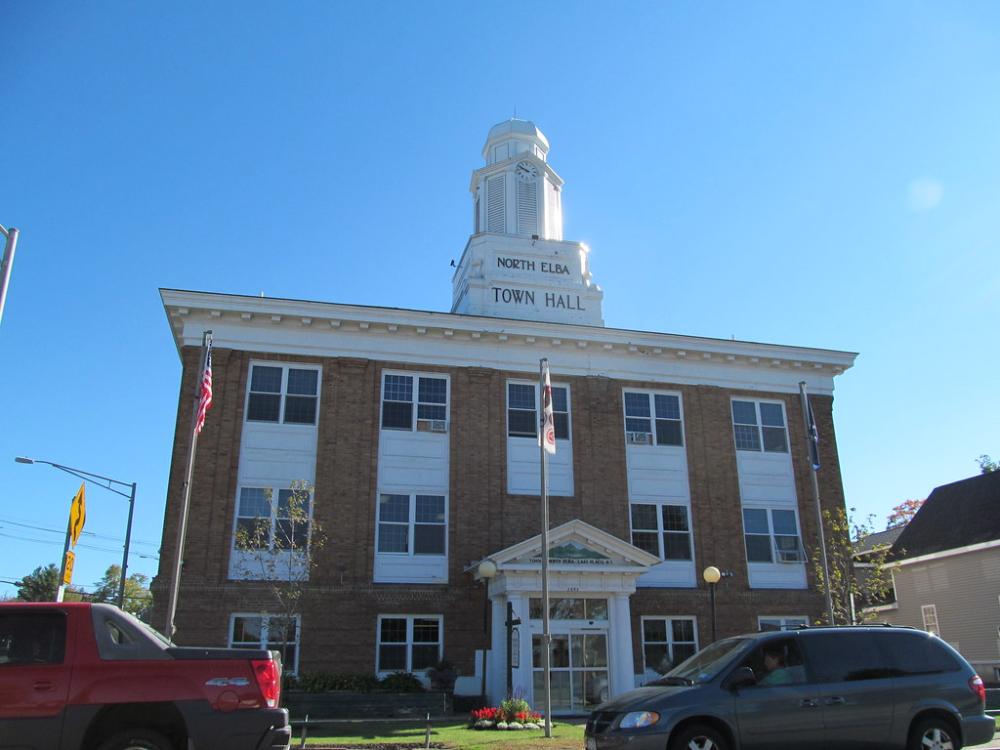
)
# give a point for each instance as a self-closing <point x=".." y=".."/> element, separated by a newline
<point x="32" y="638"/>
<point x="913" y="653"/>
<point x="777" y="662"/>
<point x="845" y="657"/>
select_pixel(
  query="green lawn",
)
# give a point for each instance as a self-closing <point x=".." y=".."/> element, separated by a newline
<point x="451" y="733"/>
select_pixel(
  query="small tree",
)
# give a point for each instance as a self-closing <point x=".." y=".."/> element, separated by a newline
<point x="987" y="465"/>
<point x="281" y="548"/>
<point x="138" y="598"/>
<point x="852" y="587"/>
<point x="902" y="513"/>
<point x="40" y="585"/>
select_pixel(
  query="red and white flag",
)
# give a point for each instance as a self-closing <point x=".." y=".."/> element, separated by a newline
<point x="205" y="401"/>
<point x="548" y="422"/>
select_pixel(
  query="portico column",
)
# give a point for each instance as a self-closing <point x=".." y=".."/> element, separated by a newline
<point x="620" y="642"/>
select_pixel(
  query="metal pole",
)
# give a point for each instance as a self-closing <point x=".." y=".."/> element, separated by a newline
<point x="8" y="263"/>
<point x="175" y="581"/>
<point x="128" y="538"/>
<point x="819" y="509"/>
<point x="61" y="591"/>
<point x="546" y="635"/>
<point x="711" y="597"/>
<point x="486" y="631"/>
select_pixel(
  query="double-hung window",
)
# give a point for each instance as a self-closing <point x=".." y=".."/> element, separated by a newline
<point x="412" y="524"/>
<point x="759" y="425"/>
<point x="273" y="632"/>
<point x="667" y="641"/>
<point x="523" y="416"/>
<point x="407" y="396"/>
<point x="772" y="535"/>
<point x="263" y="524"/>
<point x="662" y="530"/>
<point x="778" y="622"/>
<point x="408" y="643"/>
<point x="283" y="394"/>
<point x="653" y="418"/>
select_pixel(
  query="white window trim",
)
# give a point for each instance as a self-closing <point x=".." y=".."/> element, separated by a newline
<point x="273" y="503"/>
<point x="928" y="614"/>
<point x="538" y="411"/>
<point x="775" y="557"/>
<point x="660" y="530"/>
<point x="412" y="523"/>
<point x="650" y="394"/>
<point x="416" y="375"/>
<point x="670" y="635"/>
<point x="265" y="627"/>
<point x="409" y="639"/>
<point x="285" y="367"/>
<point x="783" y="621"/>
<point x="760" y="425"/>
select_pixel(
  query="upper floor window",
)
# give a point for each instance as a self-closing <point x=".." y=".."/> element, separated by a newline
<point x="262" y="524"/>
<point x="407" y="643"/>
<point x="653" y="418"/>
<point x="272" y="632"/>
<point x="400" y="393"/>
<point x="412" y="524"/>
<point x="667" y="641"/>
<point x="772" y="535"/>
<point x="662" y="530"/>
<point x="760" y="424"/>
<point x="523" y="416"/>
<point x="282" y="393"/>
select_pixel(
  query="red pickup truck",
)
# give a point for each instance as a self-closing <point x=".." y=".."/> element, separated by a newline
<point x="78" y="676"/>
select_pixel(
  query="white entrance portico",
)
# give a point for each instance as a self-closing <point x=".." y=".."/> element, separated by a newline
<point x="592" y="574"/>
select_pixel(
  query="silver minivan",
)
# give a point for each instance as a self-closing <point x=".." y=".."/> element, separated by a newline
<point x="807" y="689"/>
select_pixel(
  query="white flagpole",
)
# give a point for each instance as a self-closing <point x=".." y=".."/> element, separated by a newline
<point x="175" y="581"/>
<point x="543" y="365"/>
<point x="819" y="509"/>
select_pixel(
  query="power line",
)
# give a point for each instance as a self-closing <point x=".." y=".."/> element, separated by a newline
<point x="85" y="533"/>
<point x="81" y="546"/>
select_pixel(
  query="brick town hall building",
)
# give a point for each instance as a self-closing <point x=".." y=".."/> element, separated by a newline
<point x="417" y="431"/>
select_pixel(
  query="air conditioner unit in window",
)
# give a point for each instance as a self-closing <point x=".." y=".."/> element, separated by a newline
<point x="432" y="425"/>
<point x="790" y="556"/>
<point x="638" y="438"/>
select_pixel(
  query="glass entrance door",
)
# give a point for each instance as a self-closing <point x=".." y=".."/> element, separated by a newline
<point x="579" y="669"/>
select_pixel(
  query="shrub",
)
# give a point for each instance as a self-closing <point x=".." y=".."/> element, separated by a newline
<point x="401" y="682"/>
<point x="321" y="682"/>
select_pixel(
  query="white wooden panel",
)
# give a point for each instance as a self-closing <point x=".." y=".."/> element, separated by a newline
<point x="766" y="477"/>
<point x="777" y="575"/>
<point x="657" y="472"/>
<point x="259" y="566"/>
<point x="281" y="454"/>
<point x="413" y="462"/>
<point x="406" y="569"/>
<point x="524" y="470"/>
<point x="673" y="573"/>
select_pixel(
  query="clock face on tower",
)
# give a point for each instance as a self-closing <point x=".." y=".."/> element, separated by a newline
<point x="526" y="171"/>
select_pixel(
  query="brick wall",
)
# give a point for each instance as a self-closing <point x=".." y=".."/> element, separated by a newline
<point x="341" y="605"/>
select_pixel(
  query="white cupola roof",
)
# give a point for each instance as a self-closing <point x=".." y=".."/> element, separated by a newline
<point x="516" y="263"/>
<point x="512" y="137"/>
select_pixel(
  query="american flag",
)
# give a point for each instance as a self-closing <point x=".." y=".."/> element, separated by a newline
<point x="813" y="438"/>
<point x="205" y="402"/>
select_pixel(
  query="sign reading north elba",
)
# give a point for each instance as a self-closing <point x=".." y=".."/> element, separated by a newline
<point x="540" y="266"/>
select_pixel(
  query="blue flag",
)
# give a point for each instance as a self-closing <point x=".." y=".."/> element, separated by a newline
<point x="813" y="438"/>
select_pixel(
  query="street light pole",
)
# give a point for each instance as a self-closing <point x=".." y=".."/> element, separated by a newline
<point x="91" y="477"/>
<point x="7" y="264"/>
<point x="712" y="574"/>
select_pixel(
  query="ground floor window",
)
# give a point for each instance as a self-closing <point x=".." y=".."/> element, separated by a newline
<point x="780" y="622"/>
<point x="408" y="643"/>
<point x="275" y="632"/>
<point x="667" y="641"/>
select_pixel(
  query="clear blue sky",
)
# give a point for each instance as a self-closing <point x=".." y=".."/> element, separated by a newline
<point x="800" y="173"/>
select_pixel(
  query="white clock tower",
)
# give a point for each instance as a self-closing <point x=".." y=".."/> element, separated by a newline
<point x="516" y="263"/>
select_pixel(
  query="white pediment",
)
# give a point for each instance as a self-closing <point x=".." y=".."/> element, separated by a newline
<point x="575" y="546"/>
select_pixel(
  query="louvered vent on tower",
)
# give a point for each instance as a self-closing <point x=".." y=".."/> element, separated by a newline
<point x="527" y="199"/>
<point x="495" y="200"/>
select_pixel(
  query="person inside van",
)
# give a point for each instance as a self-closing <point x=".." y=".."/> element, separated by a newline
<point x="777" y="672"/>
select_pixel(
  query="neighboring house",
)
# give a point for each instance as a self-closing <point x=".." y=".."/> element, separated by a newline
<point x="869" y="551"/>
<point x="418" y="432"/>
<point x="946" y="571"/>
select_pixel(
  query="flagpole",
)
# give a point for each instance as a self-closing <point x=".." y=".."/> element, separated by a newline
<point x="812" y="440"/>
<point x="543" y="365"/>
<point x="175" y="581"/>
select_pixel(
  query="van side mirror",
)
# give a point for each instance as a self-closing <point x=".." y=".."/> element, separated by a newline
<point x="742" y="677"/>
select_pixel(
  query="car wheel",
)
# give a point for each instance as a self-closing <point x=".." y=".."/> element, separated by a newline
<point x="933" y="734"/>
<point x="137" y="739"/>
<point x="699" y="737"/>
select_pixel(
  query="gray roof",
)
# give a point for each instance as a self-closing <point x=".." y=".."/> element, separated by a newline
<point x="955" y="515"/>
<point x="878" y="539"/>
